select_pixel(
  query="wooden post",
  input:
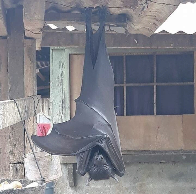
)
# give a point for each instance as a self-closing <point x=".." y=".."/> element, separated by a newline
<point x="60" y="95"/>
<point x="16" y="87"/>
<point x="4" y="134"/>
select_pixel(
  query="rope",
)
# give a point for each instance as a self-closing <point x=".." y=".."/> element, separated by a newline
<point x="23" y="122"/>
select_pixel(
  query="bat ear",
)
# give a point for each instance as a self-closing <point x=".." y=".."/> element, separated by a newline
<point x="115" y="178"/>
<point x="88" y="181"/>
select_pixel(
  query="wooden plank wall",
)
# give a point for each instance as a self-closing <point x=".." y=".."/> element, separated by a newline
<point x="173" y="132"/>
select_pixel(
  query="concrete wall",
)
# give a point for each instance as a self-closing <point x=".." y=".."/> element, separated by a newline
<point x="162" y="178"/>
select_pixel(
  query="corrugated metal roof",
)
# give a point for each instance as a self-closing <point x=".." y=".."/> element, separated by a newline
<point x="183" y="19"/>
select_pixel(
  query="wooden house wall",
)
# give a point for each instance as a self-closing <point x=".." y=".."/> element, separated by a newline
<point x="146" y="132"/>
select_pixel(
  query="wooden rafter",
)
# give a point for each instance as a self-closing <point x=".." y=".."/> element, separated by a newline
<point x="70" y="18"/>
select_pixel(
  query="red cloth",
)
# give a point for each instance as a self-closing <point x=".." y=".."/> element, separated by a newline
<point x="42" y="129"/>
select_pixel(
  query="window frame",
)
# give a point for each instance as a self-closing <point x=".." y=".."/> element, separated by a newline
<point x="154" y="83"/>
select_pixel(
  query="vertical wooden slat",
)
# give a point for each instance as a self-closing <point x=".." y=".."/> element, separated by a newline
<point x="76" y="72"/>
<point x="59" y="86"/>
<point x="30" y="84"/>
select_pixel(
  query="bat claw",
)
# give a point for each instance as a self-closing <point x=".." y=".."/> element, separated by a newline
<point x="88" y="181"/>
<point x="115" y="178"/>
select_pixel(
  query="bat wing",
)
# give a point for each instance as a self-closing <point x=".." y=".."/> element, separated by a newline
<point x="72" y="137"/>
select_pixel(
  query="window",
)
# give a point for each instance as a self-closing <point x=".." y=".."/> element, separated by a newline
<point x="153" y="84"/>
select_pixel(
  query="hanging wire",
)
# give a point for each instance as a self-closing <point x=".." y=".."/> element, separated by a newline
<point x="25" y="130"/>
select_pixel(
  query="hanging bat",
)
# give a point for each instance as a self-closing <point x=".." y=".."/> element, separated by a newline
<point x="92" y="134"/>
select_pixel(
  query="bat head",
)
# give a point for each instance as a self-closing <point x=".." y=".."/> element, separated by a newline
<point x="100" y="167"/>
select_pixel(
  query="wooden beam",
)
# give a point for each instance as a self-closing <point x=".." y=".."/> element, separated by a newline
<point x="16" y="53"/>
<point x="113" y="40"/>
<point x="3" y="28"/>
<point x="73" y="18"/>
<point x="34" y="19"/>
<point x="16" y="88"/>
<point x="9" y="113"/>
<point x="148" y="156"/>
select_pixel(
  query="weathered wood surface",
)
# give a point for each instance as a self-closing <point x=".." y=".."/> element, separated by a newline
<point x="59" y="86"/>
<point x="151" y="132"/>
<point x="16" y="53"/>
<point x="30" y="84"/>
<point x="9" y="113"/>
<point x="14" y="88"/>
<point x="73" y="18"/>
<point x="34" y="19"/>
<point x="156" y="41"/>
<point x="3" y="70"/>
<point x="3" y="29"/>
<point x="60" y="93"/>
<point x="4" y="133"/>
